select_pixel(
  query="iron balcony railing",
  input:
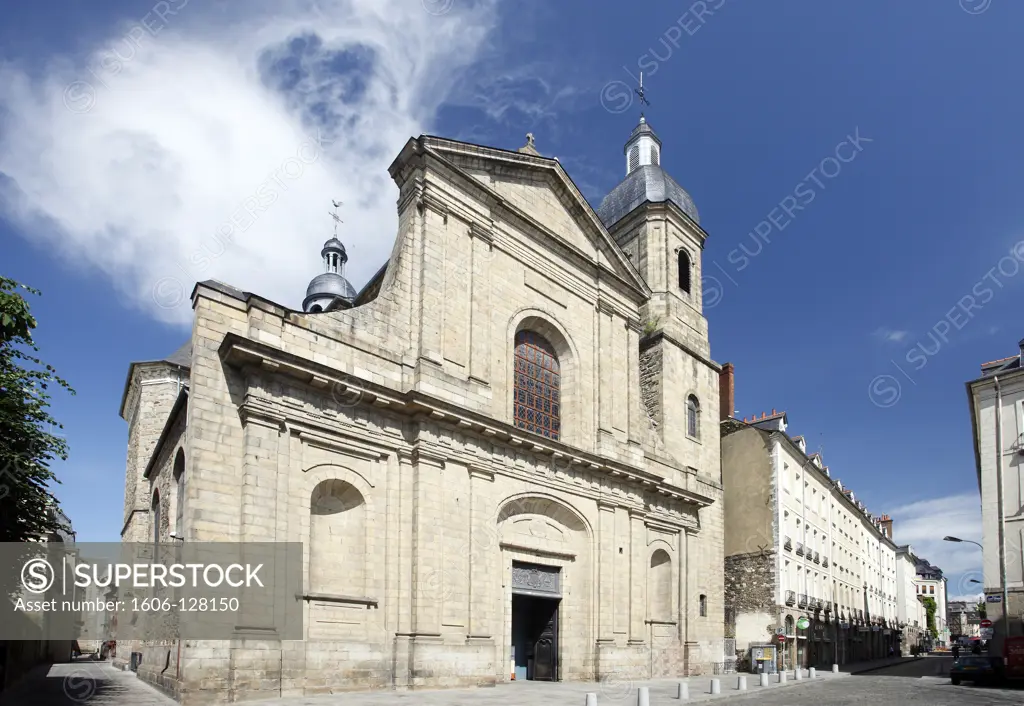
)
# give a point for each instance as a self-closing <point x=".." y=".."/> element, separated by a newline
<point x="790" y="597"/>
<point x="824" y="561"/>
<point x="799" y="548"/>
<point x="817" y="558"/>
<point x="788" y="544"/>
<point x="802" y="600"/>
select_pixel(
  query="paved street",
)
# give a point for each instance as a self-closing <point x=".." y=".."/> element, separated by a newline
<point x="910" y="682"/>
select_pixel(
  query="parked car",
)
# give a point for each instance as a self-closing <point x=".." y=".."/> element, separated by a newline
<point x="972" y="668"/>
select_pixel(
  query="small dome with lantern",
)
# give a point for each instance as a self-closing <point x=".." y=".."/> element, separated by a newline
<point x="330" y="289"/>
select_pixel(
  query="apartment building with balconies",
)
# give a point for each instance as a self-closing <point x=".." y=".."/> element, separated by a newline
<point x="798" y="544"/>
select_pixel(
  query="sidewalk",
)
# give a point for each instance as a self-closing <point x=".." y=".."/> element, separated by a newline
<point x="872" y="665"/>
<point x="96" y="683"/>
<point x="84" y="683"/>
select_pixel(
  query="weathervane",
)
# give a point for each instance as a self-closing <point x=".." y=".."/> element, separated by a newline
<point x="640" y="92"/>
<point x="336" y="217"/>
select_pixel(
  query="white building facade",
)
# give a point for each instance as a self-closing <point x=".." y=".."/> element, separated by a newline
<point x="797" y="535"/>
<point x="930" y="583"/>
<point x="910" y="610"/>
<point x="996" y="402"/>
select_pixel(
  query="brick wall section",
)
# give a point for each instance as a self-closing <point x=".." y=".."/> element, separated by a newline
<point x="487" y="243"/>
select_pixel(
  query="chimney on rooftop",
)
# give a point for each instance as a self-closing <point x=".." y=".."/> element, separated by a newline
<point x="886" y="522"/>
<point x="727" y="392"/>
<point x="1020" y="345"/>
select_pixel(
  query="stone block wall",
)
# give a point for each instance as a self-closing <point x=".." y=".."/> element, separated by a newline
<point x="750" y="589"/>
<point x="403" y="406"/>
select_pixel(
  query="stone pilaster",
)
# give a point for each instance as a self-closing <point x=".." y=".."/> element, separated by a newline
<point x="637" y="578"/>
<point x="426" y="609"/>
<point x="606" y="572"/>
<point x="484" y="555"/>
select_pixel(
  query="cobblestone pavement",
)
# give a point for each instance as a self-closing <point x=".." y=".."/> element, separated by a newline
<point x="82" y="684"/>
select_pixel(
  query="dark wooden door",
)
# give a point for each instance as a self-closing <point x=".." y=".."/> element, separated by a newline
<point x="545" y="649"/>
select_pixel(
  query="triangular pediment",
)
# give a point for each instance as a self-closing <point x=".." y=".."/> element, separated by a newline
<point x="540" y="190"/>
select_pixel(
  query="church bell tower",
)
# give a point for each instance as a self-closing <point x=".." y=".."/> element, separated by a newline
<point x="655" y="222"/>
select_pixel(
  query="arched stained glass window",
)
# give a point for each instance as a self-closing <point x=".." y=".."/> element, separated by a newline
<point x="537" y="406"/>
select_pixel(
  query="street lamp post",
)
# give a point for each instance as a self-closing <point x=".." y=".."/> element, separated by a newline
<point x="1002" y="557"/>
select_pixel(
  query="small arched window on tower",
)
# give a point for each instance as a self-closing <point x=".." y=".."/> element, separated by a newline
<point x="634" y="157"/>
<point x="684" y="271"/>
<point x="155" y="514"/>
<point x="537" y="389"/>
<point x="179" y="499"/>
<point x="654" y="155"/>
<point x="693" y="417"/>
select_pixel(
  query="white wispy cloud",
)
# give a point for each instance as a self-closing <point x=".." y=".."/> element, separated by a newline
<point x="241" y="120"/>
<point x="924" y="523"/>
<point x="891" y="335"/>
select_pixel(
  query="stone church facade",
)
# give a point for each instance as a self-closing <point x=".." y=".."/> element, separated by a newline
<point x="502" y="455"/>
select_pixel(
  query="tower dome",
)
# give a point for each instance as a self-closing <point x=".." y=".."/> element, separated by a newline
<point x="330" y="289"/>
<point x="645" y="180"/>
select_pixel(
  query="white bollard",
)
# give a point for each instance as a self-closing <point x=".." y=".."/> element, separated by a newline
<point x="741" y="683"/>
<point x="835" y="669"/>
<point x="591" y="699"/>
<point x="764" y="679"/>
<point x="643" y="696"/>
<point x="683" y="693"/>
<point x="782" y="677"/>
<point x="798" y="674"/>
<point x="716" y="686"/>
<point x="811" y="673"/>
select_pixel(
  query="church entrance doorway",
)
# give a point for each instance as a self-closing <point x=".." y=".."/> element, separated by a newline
<point x="536" y="598"/>
<point x="535" y="637"/>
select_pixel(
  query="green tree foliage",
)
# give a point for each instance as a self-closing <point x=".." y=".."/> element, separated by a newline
<point x="930" y="607"/>
<point x="28" y="444"/>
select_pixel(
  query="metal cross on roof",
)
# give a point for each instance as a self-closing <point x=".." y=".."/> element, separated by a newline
<point x="335" y="216"/>
<point x="640" y="91"/>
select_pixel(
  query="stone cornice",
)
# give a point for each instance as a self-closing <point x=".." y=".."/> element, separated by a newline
<point x="653" y="338"/>
<point x="421" y="456"/>
<point x="243" y="353"/>
<point x="341" y="444"/>
<point x="663" y="211"/>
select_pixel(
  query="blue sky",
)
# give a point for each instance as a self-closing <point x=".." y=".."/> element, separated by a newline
<point x="122" y="149"/>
